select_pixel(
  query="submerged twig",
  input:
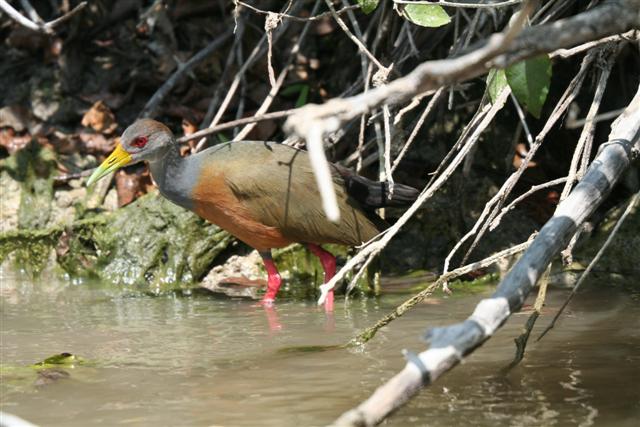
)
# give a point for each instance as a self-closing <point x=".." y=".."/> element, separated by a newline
<point x="370" y="332"/>
<point x="522" y="339"/>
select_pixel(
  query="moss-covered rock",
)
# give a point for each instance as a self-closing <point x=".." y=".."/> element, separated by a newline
<point x="151" y="245"/>
<point x="32" y="167"/>
<point x="157" y="245"/>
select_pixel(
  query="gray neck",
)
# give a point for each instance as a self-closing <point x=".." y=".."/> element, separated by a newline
<point x="174" y="174"/>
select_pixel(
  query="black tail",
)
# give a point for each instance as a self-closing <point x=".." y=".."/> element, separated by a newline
<point x="373" y="194"/>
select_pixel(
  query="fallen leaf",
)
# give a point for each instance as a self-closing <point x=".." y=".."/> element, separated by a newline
<point x="131" y="183"/>
<point x="12" y="142"/>
<point x="100" y="118"/>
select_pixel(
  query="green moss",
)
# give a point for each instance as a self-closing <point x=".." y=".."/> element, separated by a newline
<point x="150" y="245"/>
<point x="155" y="245"/>
<point x="33" y="168"/>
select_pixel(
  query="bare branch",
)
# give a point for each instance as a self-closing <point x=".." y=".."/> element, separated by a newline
<point x="499" y="50"/>
<point x="470" y="5"/>
<point x="151" y="108"/>
<point x="42" y="27"/>
<point x="448" y="345"/>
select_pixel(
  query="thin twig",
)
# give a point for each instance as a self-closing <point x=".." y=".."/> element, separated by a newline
<point x="370" y="332"/>
<point x="151" y="108"/>
<point x="447" y="3"/>
<point x="353" y="38"/>
<point x="437" y="96"/>
<point x="586" y="136"/>
<point x="276" y="85"/>
<point x="256" y="53"/>
<point x="42" y="27"/>
<point x="243" y="121"/>
<point x="533" y="189"/>
<point x="299" y="18"/>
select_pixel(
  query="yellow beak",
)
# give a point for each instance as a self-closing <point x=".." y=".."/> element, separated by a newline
<point x="115" y="161"/>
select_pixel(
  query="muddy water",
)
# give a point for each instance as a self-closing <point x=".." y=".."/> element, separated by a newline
<point x="207" y="361"/>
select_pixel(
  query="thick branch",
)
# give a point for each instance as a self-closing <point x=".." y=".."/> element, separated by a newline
<point x="451" y="343"/>
<point x="610" y="18"/>
<point x="499" y="50"/>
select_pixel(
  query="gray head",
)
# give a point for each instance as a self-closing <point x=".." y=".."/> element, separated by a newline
<point x="145" y="139"/>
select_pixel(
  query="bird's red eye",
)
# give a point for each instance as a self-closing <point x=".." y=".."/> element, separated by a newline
<point x="140" y="141"/>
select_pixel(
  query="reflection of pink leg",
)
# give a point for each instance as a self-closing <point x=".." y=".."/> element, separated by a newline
<point x="272" y="317"/>
<point x="328" y="262"/>
<point x="274" y="280"/>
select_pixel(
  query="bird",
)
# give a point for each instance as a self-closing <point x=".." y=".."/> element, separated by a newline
<point x="263" y="193"/>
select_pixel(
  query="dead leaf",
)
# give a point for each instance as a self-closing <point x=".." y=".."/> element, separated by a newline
<point x="188" y="127"/>
<point x="100" y="118"/>
<point x="131" y="184"/>
<point x="15" y="117"/>
<point x="12" y="142"/>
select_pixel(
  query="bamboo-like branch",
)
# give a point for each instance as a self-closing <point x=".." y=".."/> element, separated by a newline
<point x="449" y="344"/>
<point x="585" y="274"/>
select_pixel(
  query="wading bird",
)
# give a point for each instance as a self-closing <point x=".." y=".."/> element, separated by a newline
<point x="265" y="194"/>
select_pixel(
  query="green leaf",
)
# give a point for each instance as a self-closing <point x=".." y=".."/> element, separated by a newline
<point x="368" y="6"/>
<point x="303" y="96"/>
<point x="496" y="81"/>
<point x="425" y="15"/>
<point x="529" y="81"/>
<point x="292" y="89"/>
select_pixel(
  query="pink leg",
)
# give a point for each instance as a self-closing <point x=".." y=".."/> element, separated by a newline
<point x="328" y="262"/>
<point x="273" y="281"/>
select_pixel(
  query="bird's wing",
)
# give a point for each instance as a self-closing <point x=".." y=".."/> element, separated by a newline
<point x="277" y="185"/>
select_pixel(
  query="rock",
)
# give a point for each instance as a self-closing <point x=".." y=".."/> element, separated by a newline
<point x="15" y="117"/>
<point x="10" y="199"/>
<point x="239" y="276"/>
